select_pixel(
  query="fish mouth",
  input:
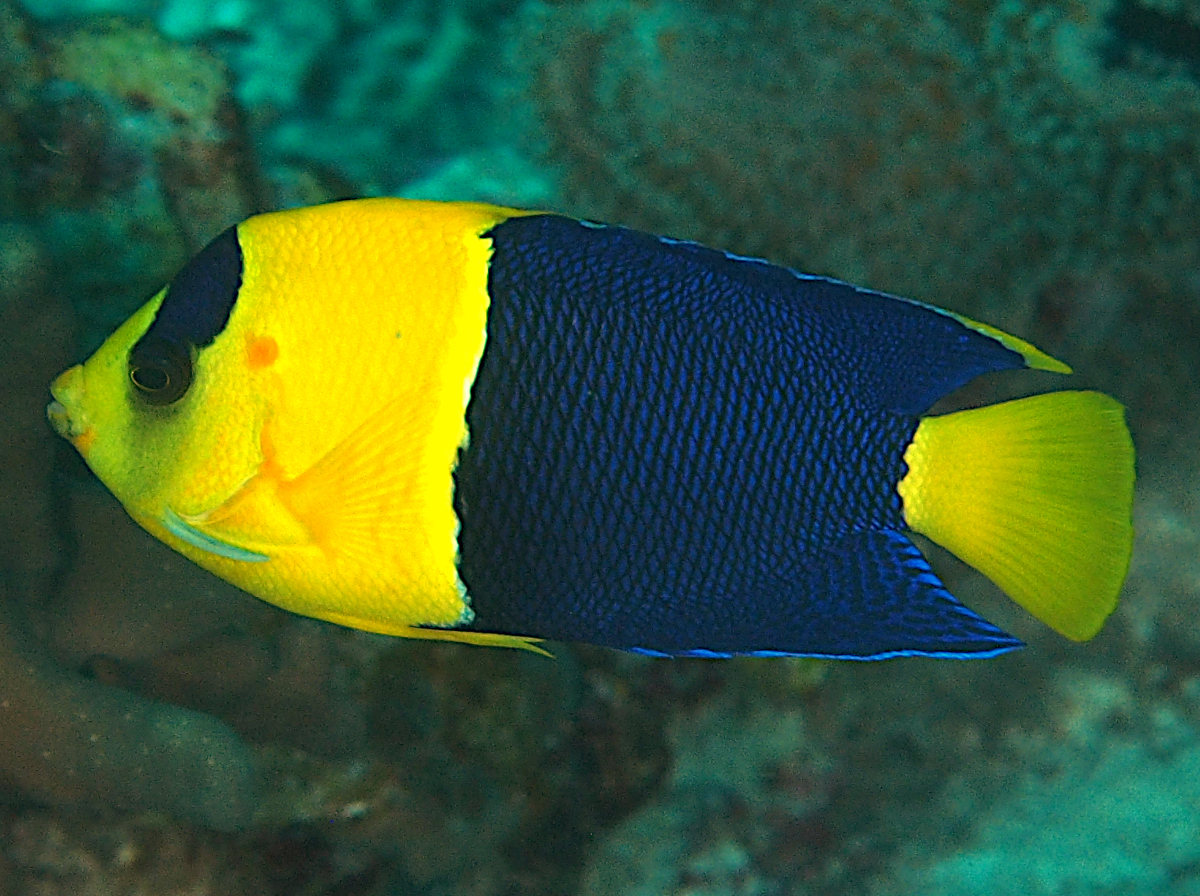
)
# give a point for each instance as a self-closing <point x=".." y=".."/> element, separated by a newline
<point x="59" y="419"/>
<point x="67" y="391"/>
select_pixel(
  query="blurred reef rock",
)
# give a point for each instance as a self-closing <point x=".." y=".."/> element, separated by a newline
<point x="114" y="117"/>
<point x="368" y="94"/>
<point x="1093" y="811"/>
<point x="918" y="146"/>
<point x="100" y="115"/>
<point x="68" y="739"/>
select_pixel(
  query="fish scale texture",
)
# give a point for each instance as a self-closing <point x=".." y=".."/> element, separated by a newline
<point x="681" y="452"/>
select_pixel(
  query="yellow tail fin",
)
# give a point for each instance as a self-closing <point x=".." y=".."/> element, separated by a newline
<point x="1036" y="494"/>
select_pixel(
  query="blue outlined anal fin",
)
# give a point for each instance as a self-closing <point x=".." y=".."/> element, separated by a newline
<point x="883" y="600"/>
<point x="874" y="598"/>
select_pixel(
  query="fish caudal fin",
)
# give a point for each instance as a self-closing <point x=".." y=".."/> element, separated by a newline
<point x="1036" y="494"/>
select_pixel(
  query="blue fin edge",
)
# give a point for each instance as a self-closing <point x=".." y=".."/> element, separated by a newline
<point x="886" y="655"/>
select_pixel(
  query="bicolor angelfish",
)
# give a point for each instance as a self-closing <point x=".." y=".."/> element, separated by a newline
<point x="471" y="423"/>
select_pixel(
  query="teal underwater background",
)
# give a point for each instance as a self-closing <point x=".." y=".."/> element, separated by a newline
<point x="1031" y="163"/>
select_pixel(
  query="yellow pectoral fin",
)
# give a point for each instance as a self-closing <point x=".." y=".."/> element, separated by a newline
<point x="253" y="524"/>
<point x="382" y="502"/>
<point x="259" y="523"/>
<point x="192" y="534"/>
<point x="366" y="537"/>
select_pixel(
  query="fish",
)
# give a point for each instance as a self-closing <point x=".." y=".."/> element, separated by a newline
<point x="471" y="423"/>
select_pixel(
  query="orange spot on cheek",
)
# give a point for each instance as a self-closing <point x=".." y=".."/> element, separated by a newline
<point x="83" y="441"/>
<point x="261" y="351"/>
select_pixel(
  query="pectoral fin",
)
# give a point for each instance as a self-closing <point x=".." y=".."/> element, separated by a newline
<point x="189" y="533"/>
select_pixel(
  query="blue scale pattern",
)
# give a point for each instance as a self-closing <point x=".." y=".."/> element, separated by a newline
<point x="681" y="452"/>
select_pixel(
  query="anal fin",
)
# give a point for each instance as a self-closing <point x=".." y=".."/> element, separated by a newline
<point x="883" y="600"/>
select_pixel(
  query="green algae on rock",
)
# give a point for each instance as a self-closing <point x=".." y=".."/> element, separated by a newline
<point x="128" y="155"/>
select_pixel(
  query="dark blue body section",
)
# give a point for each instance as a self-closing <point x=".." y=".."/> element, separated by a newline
<point x="681" y="452"/>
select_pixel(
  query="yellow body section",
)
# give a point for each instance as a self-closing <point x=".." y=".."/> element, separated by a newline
<point x="282" y="470"/>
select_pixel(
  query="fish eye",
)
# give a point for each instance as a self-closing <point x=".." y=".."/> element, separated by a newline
<point x="160" y="370"/>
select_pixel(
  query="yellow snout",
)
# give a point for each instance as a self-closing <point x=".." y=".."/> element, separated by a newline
<point x="66" y="411"/>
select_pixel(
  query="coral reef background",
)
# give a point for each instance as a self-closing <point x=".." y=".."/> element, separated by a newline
<point x="1034" y="163"/>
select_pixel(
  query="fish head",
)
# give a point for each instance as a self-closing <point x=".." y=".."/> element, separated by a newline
<point x="288" y="413"/>
<point x="181" y="457"/>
